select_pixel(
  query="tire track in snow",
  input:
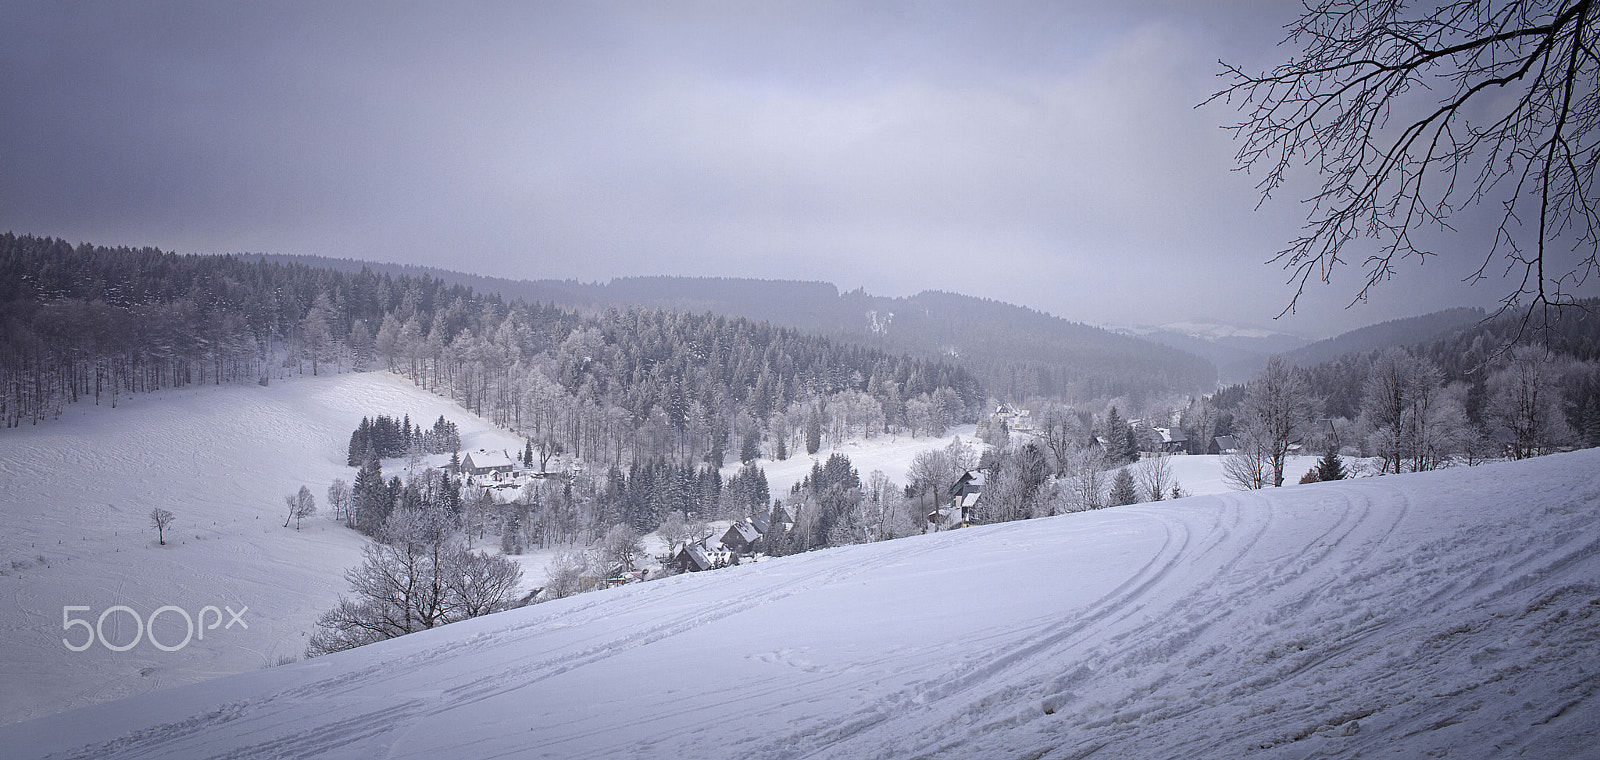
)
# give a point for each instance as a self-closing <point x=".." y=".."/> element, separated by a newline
<point x="1166" y="635"/>
<point x="393" y="724"/>
<point x="931" y="696"/>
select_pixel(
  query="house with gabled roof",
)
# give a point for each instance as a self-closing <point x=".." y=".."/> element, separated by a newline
<point x="692" y="558"/>
<point x="961" y="508"/>
<point x="705" y="554"/>
<point x="1172" y="440"/>
<point x="1223" y="444"/>
<point x="482" y="462"/>
<point x="741" y="537"/>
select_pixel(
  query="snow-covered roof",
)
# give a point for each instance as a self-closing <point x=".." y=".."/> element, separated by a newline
<point x="482" y="458"/>
<point x="745" y="531"/>
<point x="972" y="478"/>
<point x="697" y="555"/>
<point x="971" y="499"/>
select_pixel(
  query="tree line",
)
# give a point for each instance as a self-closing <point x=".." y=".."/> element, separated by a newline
<point x="613" y="387"/>
<point x="384" y="437"/>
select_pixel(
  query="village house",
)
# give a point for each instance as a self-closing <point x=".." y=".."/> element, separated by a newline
<point x="1172" y="441"/>
<point x="483" y="462"/>
<point x="741" y="538"/>
<point x="961" y="509"/>
<point x="1015" y="418"/>
<point x="1223" y="444"/>
<point x="705" y="554"/>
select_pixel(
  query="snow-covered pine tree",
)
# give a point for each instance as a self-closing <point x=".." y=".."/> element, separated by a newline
<point x="749" y="449"/>
<point x="511" y="530"/>
<point x="370" y="499"/>
<point x="1331" y="467"/>
<point x="1123" y="490"/>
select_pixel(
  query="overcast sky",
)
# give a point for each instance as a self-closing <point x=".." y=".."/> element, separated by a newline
<point x="1048" y="154"/>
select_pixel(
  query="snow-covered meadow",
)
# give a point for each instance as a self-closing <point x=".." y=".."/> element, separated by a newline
<point x="892" y="454"/>
<point x="76" y="494"/>
<point x="1453" y="613"/>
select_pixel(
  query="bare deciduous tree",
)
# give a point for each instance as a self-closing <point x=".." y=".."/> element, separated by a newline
<point x="417" y="578"/>
<point x="1525" y="400"/>
<point x="620" y="546"/>
<point x="567" y="573"/>
<point x="1085" y="479"/>
<point x="339" y="499"/>
<point x="1248" y="468"/>
<point x="1154" y="477"/>
<point x="161" y="519"/>
<point x="1278" y="411"/>
<point x="1062" y="433"/>
<point x="675" y="531"/>
<point x="301" y="505"/>
<point x="1411" y="114"/>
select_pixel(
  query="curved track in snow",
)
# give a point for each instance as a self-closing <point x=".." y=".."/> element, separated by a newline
<point x="1453" y="613"/>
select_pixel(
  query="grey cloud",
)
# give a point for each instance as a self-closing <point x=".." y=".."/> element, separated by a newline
<point x="1047" y="153"/>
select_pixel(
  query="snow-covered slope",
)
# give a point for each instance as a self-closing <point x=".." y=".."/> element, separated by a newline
<point x="75" y="494"/>
<point x="892" y="455"/>
<point x="1449" y="613"/>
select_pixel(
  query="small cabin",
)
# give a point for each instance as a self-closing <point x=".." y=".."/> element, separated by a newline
<point x="1171" y="440"/>
<point x="961" y="509"/>
<point x="1223" y="444"/>
<point x="741" y="538"/>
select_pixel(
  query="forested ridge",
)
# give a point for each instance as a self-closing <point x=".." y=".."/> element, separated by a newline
<point x="1016" y="352"/>
<point x="93" y="324"/>
<point x="1465" y="355"/>
<point x="1490" y="389"/>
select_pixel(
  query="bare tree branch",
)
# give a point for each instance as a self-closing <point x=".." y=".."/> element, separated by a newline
<point x="1516" y="125"/>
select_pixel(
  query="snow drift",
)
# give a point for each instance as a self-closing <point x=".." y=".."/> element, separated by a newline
<point x="1454" y="612"/>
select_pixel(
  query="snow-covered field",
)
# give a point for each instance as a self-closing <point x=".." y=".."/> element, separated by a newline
<point x="1454" y="613"/>
<point x="75" y="494"/>
<point x="891" y="454"/>
<point x="1201" y="474"/>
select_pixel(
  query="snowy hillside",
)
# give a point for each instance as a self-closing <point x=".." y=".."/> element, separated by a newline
<point x="892" y="455"/>
<point x="1449" y="613"/>
<point x="76" y="493"/>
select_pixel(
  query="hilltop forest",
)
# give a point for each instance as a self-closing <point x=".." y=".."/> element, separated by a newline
<point x="89" y="324"/>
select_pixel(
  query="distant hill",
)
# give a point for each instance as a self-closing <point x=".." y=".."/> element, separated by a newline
<point x="1237" y="353"/>
<point x="1459" y="341"/>
<point x="1017" y="352"/>
<point x="1411" y="331"/>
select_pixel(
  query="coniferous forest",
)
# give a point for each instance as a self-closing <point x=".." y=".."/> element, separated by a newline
<point x="89" y="324"/>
